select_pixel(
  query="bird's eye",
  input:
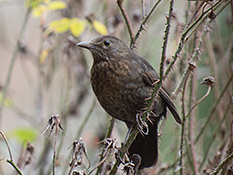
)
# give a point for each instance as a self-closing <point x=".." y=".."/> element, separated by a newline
<point x="106" y="43"/>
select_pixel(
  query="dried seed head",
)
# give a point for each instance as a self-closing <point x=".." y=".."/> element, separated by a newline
<point x="192" y="66"/>
<point x="209" y="81"/>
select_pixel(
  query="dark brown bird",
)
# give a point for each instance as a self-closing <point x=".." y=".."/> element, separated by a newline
<point x="122" y="81"/>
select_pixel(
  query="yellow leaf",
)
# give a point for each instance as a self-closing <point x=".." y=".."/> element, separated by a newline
<point x="46" y="1"/>
<point x="7" y="102"/>
<point x="55" y="5"/>
<point x="100" y="27"/>
<point x="39" y="10"/>
<point x="60" y="26"/>
<point x="77" y="27"/>
<point x="44" y="55"/>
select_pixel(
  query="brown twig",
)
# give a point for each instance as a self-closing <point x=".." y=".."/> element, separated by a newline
<point x="183" y="126"/>
<point x="192" y="123"/>
<point x="199" y="101"/>
<point x="164" y="47"/>
<point x="126" y="18"/>
<point x="141" y="27"/>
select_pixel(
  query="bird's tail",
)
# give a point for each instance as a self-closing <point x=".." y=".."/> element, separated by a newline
<point x="146" y="146"/>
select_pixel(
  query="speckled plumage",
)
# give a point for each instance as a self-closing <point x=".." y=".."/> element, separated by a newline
<point x="121" y="81"/>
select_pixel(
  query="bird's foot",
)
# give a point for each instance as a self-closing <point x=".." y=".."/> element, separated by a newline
<point x="142" y="126"/>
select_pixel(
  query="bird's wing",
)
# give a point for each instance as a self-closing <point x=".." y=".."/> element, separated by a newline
<point x="150" y="77"/>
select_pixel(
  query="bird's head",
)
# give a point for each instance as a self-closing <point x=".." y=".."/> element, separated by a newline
<point x="106" y="47"/>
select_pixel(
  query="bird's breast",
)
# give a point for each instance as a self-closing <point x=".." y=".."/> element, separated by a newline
<point x="118" y="89"/>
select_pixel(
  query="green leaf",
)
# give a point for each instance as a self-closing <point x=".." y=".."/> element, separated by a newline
<point x="60" y="26"/>
<point x="23" y="134"/>
<point x="56" y="5"/>
<point x="100" y="27"/>
<point x="77" y="27"/>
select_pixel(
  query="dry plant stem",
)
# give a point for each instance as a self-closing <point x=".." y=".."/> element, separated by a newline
<point x="64" y="109"/>
<point x="10" y="161"/>
<point x="108" y="135"/>
<point x="7" y="144"/>
<point x="126" y="18"/>
<point x="182" y="129"/>
<point x="143" y="23"/>
<point x="191" y="124"/>
<point x="222" y="164"/>
<point x="13" y="58"/>
<point x="206" y="15"/>
<point x="195" y="13"/>
<point x="215" y="134"/>
<point x="164" y="47"/>
<point x="54" y="149"/>
<point x="214" y="108"/>
<point x="199" y="101"/>
<point x="194" y="58"/>
<point x="189" y="31"/>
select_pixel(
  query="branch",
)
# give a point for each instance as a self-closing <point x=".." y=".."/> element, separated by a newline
<point x="141" y="28"/>
<point x="164" y="47"/>
<point x="126" y="18"/>
<point x="189" y="31"/>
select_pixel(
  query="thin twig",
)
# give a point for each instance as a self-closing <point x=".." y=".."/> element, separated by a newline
<point x="183" y="126"/>
<point x="164" y="47"/>
<point x="199" y="101"/>
<point x="185" y="36"/>
<point x="126" y="18"/>
<point x="54" y="149"/>
<point x="141" y="28"/>
<point x="7" y="144"/>
<point x="192" y="123"/>
<point x="15" y="167"/>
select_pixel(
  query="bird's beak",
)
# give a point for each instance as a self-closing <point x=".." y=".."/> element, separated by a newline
<point x="84" y="45"/>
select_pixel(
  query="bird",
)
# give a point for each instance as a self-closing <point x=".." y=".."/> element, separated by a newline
<point x="123" y="82"/>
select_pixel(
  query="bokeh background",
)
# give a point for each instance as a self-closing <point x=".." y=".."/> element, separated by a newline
<point x="50" y="75"/>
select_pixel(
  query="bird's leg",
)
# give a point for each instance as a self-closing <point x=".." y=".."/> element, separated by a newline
<point x="128" y="133"/>
<point x="141" y="124"/>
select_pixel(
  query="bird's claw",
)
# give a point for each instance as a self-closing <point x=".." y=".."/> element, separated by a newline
<point x="142" y="125"/>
